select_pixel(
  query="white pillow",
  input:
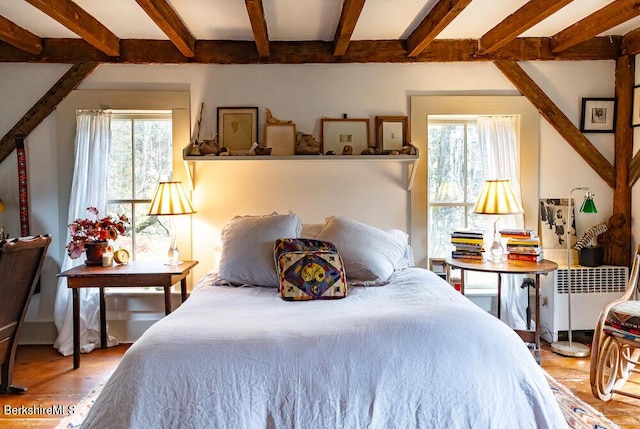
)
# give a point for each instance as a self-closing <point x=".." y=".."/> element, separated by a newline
<point x="370" y="255"/>
<point x="310" y="230"/>
<point x="407" y="259"/>
<point x="247" y="248"/>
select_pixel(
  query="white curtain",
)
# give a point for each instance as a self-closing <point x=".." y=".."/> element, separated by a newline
<point x="498" y="141"/>
<point x="88" y="189"/>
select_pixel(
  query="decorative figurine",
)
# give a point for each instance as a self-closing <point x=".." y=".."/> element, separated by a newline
<point x="613" y="240"/>
<point x="273" y="120"/>
<point x="209" y="147"/>
<point x="306" y="144"/>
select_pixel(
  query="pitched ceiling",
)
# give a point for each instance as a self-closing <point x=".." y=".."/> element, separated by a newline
<point x="294" y="31"/>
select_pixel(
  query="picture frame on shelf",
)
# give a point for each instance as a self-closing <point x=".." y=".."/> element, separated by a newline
<point x="237" y="128"/>
<point x="598" y="115"/>
<point x="281" y="138"/>
<point x="338" y="133"/>
<point x="635" y="109"/>
<point x="392" y="132"/>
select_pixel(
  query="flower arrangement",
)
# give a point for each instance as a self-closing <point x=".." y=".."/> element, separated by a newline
<point x="96" y="229"/>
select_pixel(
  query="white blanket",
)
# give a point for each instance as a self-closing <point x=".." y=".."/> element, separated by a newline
<point x="411" y="354"/>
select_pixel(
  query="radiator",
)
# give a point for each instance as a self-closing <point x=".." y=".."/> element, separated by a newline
<point x="592" y="288"/>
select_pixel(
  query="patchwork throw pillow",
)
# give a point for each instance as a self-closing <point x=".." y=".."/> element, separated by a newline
<point x="309" y="269"/>
<point x="247" y="248"/>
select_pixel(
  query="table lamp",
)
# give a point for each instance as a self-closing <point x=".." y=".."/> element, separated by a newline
<point x="569" y="348"/>
<point x="497" y="197"/>
<point x="170" y="200"/>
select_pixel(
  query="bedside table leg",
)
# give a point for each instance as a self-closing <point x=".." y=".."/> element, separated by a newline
<point x="183" y="289"/>
<point x="76" y="329"/>
<point x="103" y="321"/>
<point x="167" y="300"/>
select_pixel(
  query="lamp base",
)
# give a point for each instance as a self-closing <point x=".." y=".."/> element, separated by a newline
<point x="496" y="252"/>
<point x="572" y="349"/>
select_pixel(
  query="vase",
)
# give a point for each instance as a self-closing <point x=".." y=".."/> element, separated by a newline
<point x="93" y="251"/>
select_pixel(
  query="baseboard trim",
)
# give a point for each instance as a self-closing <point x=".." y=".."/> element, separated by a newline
<point x="38" y="332"/>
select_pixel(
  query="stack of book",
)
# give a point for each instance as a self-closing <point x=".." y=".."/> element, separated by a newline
<point x="468" y="244"/>
<point x="523" y="245"/>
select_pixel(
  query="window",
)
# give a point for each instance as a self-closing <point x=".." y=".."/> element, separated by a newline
<point x="140" y="157"/>
<point x="455" y="177"/>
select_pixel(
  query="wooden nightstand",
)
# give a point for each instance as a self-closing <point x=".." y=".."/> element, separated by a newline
<point x="511" y="267"/>
<point x="133" y="274"/>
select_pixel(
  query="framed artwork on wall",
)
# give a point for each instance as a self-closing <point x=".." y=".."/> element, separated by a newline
<point x="392" y="132"/>
<point x="554" y="221"/>
<point x="338" y="133"/>
<point x="281" y="138"/>
<point x="598" y="115"/>
<point x="237" y="128"/>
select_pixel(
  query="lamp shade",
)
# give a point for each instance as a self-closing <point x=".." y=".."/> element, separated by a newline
<point x="2" y="208"/>
<point x="588" y="205"/>
<point x="170" y="199"/>
<point x="449" y="191"/>
<point x="497" y="197"/>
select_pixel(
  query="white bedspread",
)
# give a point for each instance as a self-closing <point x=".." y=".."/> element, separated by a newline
<point x="411" y="354"/>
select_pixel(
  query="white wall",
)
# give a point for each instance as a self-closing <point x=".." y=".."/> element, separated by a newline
<point x="304" y="94"/>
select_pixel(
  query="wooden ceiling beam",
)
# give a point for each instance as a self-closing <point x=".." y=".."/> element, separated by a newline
<point x="530" y="14"/>
<point x="615" y="13"/>
<point x="39" y="112"/>
<point x="441" y="15"/>
<point x="80" y="22"/>
<point x="135" y="51"/>
<point x="19" y="37"/>
<point x="558" y="120"/>
<point x="623" y="140"/>
<point x="351" y="10"/>
<point x="171" y="24"/>
<point x="631" y="43"/>
<point x="258" y="26"/>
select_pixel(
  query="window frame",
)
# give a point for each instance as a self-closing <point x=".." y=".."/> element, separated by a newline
<point x="132" y="116"/>
<point x="466" y="120"/>
<point x="423" y="107"/>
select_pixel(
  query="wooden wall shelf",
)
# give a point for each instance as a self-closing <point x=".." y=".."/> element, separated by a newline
<point x="412" y="160"/>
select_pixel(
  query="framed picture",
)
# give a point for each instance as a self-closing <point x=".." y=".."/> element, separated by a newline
<point x="598" y="115"/>
<point x="338" y="133"/>
<point x="554" y="221"/>
<point x="635" y="112"/>
<point x="237" y="128"/>
<point x="392" y="132"/>
<point x="281" y="138"/>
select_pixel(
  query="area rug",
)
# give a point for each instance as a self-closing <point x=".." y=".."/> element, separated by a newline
<point x="81" y="410"/>
<point x="577" y="413"/>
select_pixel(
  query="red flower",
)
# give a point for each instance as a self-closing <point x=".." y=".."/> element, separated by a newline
<point x="83" y="230"/>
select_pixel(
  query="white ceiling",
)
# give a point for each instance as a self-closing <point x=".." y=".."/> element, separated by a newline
<point x="301" y="19"/>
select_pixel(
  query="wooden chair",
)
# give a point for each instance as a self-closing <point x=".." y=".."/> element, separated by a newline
<point x="616" y="341"/>
<point x="20" y="264"/>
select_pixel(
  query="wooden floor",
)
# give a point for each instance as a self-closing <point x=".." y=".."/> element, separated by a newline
<point x="52" y="381"/>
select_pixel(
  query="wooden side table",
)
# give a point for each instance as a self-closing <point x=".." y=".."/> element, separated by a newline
<point x="133" y="274"/>
<point x="511" y="267"/>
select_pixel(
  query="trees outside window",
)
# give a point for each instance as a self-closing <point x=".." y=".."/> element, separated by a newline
<point x="455" y="178"/>
<point x="140" y="157"/>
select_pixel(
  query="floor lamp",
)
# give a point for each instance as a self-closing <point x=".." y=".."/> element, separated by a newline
<point x="497" y="197"/>
<point x="569" y="348"/>
<point x="170" y="200"/>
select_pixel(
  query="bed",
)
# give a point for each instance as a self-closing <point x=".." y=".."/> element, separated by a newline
<point x="404" y="350"/>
